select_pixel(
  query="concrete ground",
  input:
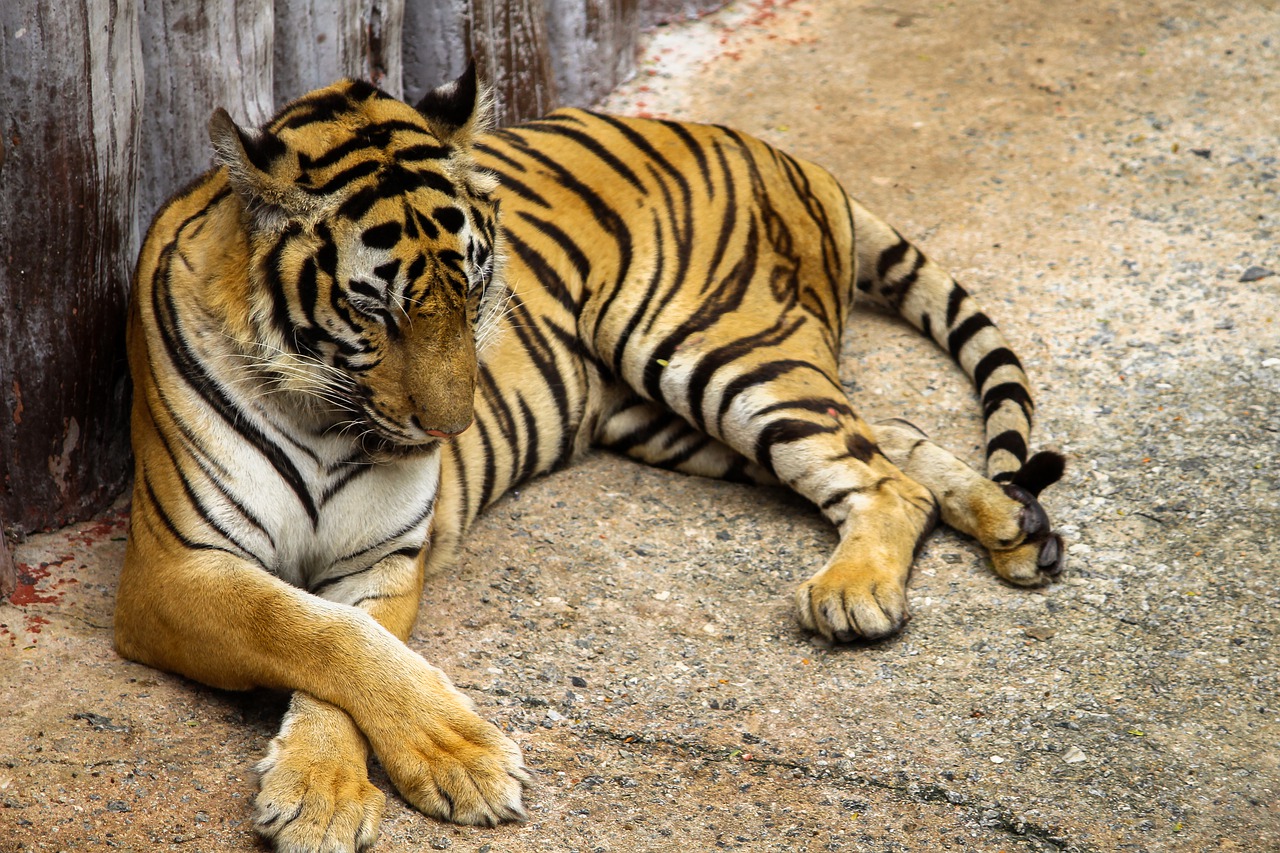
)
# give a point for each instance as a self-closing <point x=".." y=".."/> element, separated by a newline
<point x="1105" y="176"/>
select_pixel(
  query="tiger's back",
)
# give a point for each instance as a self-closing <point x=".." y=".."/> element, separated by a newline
<point x="668" y="263"/>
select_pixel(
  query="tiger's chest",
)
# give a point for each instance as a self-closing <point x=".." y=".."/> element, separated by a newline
<point x="315" y="510"/>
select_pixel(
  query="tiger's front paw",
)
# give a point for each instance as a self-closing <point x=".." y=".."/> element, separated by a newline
<point x="849" y="601"/>
<point x="449" y="763"/>
<point x="315" y="801"/>
<point x="1039" y="556"/>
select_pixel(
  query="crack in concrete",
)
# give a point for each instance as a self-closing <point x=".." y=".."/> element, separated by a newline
<point x="1041" y="838"/>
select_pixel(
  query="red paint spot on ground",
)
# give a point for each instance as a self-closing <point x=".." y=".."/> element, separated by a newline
<point x="108" y="527"/>
<point x="28" y="578"/>
<point x="35" y="623"/>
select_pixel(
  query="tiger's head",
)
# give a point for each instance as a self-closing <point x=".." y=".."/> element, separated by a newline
<point x="375" y="256"/>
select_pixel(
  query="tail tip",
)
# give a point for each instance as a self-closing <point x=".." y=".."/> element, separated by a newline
<point x="1040" y="471"/>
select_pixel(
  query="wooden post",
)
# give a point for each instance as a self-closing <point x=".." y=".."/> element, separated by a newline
<point x="68" y="172"/>
<point x="509" y="41"/>
<point x="319" y="41"/>
<point x="198" y="56"/>
<point x="593" y="47"/>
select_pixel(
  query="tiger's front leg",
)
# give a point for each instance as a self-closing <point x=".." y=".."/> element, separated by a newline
<point x="225" y="622"/>
<point x="314" y="791"/>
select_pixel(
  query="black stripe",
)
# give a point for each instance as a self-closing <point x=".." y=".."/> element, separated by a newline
<point x="336" y="153"/>
<point x="769" y="338"/>
<point x="530" y="466"/>
<point x="459" y="465"/>
<point x="404" y="530"/>
<point x="785" y="431"/>
<point x="1010" y="440"/>
<point x="173" y="528"/>
<point x="860" y="447"/>
<point x="891" y="257"/>
<point x="566" y="244"/>
<point x="346" y="176"/>
<point x="360" y="203"/>
<point x="699" y="154"/>
<point x="658" y="420"/>
<point x="551" y="283"/>
<point x="198" y="504"/>
<point x="206" y="386"/>
<point x="316" y="108"/>
<point x="991" y="362"/>
<point x="424" y="151"/>
<point x="679" y="221"/>
<point x="725" y="299"/>
<point x="966" y="330"/>
<point x="758" y="375"/>
<point x="1003" y="392"/>
<point x="954" y="299"/>
<point x="588" y="142"/>
<point x="498" y="154"/>
<point x="816" y="405"/>
<point x="490" y="476"/>
<point x="383" y="236"/>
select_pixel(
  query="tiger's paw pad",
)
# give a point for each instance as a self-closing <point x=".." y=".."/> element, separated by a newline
<point x="1040" y="556"/>
<point x="844" y="603"/>
<point x="315" y="804"/>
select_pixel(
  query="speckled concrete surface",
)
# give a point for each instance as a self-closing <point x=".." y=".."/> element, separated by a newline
<point x="1105" y="175"/>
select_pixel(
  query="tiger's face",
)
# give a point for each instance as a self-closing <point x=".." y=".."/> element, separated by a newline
<point x="375" y="271"/>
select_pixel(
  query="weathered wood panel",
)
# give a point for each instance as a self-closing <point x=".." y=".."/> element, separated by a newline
<point x="69" y="103"/>
<point x="593" y="47"/>
<point x="509" y="41"/>
<point x="437" y="44"/>
<point x="198" y="56"/>
<point x="319" y="41"/>
<point x="8" y="570"/>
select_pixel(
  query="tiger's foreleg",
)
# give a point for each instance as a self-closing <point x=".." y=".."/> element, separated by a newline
<point x="221" y="620"/>
<point x="1006" y="518"/>
<point x="314" y="791"/>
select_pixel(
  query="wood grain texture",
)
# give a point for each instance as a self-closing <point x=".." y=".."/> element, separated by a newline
<point x="69" y="120"/>
<point x="319" y="41"/>
<point x="198" y="56"/>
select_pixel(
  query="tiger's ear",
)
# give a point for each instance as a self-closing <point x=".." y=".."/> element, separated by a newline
<point x="457" y="111"/>
<point x="248" y="158"/>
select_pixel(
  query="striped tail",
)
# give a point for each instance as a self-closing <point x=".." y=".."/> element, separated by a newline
<point x="894" y="274"/>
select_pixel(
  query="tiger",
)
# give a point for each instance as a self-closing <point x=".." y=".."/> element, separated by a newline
<point x="369" y="320"/>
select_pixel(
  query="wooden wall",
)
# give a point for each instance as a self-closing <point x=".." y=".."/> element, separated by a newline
<point x="103" y="111"/>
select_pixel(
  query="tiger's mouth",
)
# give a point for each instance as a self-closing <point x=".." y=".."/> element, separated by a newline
<point x="382" y="448"/>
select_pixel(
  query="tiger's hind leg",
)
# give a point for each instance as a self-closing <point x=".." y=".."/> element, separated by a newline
<point x="652" y="434"/>
<point x="809" y="439"/>
<point x="783" y="409"/>
<point x="1005" y="518"/>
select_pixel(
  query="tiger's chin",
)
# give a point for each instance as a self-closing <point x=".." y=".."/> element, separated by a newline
<point x="381" y="449"/>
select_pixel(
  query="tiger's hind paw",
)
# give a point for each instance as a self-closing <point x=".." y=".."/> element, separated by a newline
<point x="845" y="602"/>
<point x="1040" y="556"/>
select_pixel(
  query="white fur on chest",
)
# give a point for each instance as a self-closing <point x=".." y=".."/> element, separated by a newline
<point x="307" y="506"/>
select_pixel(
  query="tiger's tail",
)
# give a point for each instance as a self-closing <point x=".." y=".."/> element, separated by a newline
<point x="894" y="274"/>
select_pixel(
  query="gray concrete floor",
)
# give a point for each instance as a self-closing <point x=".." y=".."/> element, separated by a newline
<point x="1105" y="176"/>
